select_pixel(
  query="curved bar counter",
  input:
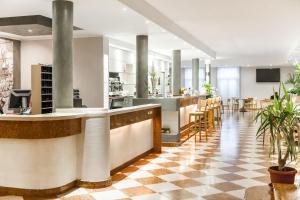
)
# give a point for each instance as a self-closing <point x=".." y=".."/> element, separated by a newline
<point x="45" y="155"/>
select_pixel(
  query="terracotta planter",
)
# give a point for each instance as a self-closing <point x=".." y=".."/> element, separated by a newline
<point x="287" y="176"/>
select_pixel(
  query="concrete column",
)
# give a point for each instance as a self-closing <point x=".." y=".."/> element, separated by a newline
<point x="176" y="72"/>
<point x="195" y="74"/>
<point x="142" y="66"/>
<point x="62" y="31"/>
<point x="17" y="64"/>
<point x="207" y="71"/>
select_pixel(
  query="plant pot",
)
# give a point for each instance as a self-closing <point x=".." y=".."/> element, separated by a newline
<point x="287" y="176"/>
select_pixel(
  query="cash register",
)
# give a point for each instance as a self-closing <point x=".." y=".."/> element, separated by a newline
<point x="19" y="101"/>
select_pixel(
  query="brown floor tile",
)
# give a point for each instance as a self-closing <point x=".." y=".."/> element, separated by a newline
<point x="199" y="166"/>
<point x="118" y="177"/>
<point x="266" y="164"/>
<point x="232" y="169"/>
<point x="265" y="179"/>
<point x="100" y="189"/>
<point x="130" y="169"/>
<point x="186" y="183"/>
<point x="169" y="164"/>
<point x="179" y="194"/>
<point x="79" y="197"/>
<point x="236" y="162"/>
<point x="162" y="171"/>
<point x="204" y="160"/>
<point x="137" y="191"/>
<point x="208" y="154"/>
<point x="227" y="186"/>
<point x="263" y="171"/>
<point x="31" y="198"/>
<point x="194" y="174"/>
<point x="150" y="180"/>
<point x="178" y="158"/>
<point x="141" y="162"/>
<point x="220" y="196"/>
<point x="230" y="177"/>
<point x="151" y="156"/>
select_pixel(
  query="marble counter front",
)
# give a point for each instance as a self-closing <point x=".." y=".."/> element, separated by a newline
<point x="49" y="154"/>
<point x="175" y="115"/>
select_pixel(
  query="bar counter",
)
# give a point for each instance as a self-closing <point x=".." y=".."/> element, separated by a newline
<point x="45" y="155"/>
<point x="175" y="115"/>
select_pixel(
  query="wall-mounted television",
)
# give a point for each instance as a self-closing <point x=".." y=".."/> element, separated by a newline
<point x="268" y="75"/>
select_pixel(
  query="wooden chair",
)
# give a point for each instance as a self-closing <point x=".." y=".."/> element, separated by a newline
<point x="227" y="105"/>
<point x="249" y="103"/>
<point x="235" y="104"/>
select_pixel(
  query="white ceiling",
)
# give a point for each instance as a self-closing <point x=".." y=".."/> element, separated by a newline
<point x="242" y="32"/>
<point x="104" y="17"/>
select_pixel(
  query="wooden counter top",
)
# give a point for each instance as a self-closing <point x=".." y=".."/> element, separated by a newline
<point x="65" y="122"/>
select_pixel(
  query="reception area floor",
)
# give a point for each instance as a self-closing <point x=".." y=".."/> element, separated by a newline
<point x="219" y="169"/>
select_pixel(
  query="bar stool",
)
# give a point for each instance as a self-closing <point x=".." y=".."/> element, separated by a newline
<point x="200" y="117"/>
<point x="218" y="107"/>
<point x="210" y="116"/>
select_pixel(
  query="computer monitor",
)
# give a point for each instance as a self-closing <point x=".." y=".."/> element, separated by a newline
<point x="19" y="99"/>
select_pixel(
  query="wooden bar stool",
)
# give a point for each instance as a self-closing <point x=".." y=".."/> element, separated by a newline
<point x="218" y="108"/>
<point x="200" y="119"/>
<point x="210" y="116"/>
<point x="197" y="123"/>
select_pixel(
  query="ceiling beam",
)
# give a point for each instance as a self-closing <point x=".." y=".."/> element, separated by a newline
<point x="151" y="13"/>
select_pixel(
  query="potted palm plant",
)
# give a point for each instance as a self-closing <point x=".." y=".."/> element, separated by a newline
<point x="279" y="122"/>
<point x="294" y="80"/>
<point x="209" y="89"/>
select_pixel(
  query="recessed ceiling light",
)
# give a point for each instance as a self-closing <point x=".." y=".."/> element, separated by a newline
<point x="147" y="21"/>
<point x="175" y="37"/>
<point x="163" y="30"/>
<point x="29" y="30"/>
<point x="124" y="9"/>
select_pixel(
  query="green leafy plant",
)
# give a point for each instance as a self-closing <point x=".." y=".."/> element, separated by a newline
<point x="208" y="88"/>
<point x="153" y="79"/>
<point x="279" y="122"/>
<point x="294" y="80"/>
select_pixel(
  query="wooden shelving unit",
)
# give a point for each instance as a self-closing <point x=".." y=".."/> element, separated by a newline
<point x="42" y="89"/>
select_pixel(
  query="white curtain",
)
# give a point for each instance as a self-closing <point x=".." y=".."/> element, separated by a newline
<point x="228" y="82"/>
<point x="188" y="77"/>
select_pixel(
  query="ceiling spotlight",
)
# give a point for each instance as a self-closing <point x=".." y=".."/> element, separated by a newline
<point x="163" y="30"/>
<point x="175" y="37"/>
<point x="124" y="9"/>
<point x="147" y="21"/>
<point x="29" y="30"/>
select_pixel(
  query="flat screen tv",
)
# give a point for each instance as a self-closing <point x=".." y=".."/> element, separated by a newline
<point x="268" y="75"/>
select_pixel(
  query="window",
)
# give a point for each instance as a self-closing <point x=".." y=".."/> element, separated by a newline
<point x="188" y="77"/>
<point x="228" y="82"/>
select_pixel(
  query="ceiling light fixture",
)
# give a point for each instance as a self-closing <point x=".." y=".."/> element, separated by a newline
<point x="29" y="30"/>
<point x="124" y="9"/>
<point x="147" y="21"/>
<point x="175" y="37"/>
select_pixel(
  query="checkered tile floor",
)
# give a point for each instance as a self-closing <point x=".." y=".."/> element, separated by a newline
<point x="219" y="169"/>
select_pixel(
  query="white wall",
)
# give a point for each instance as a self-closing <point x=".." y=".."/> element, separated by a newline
<point x="88" y="66"/>
<point x="250" y="88"/>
